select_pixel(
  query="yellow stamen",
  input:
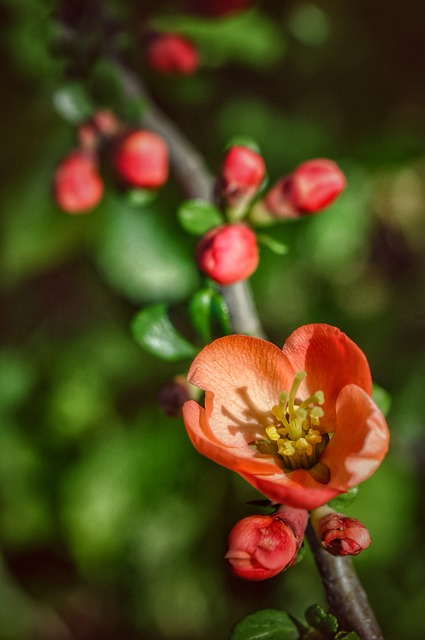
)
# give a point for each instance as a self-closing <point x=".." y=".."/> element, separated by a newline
<point x="295" y="436"/>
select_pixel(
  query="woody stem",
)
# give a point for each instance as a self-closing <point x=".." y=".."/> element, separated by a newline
<point x="344" y="592"/>
<point x="345" y="595"/>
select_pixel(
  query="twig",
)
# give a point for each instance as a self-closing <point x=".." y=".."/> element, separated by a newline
<point x="345" y="595"/>
<point x="344" y="592"/>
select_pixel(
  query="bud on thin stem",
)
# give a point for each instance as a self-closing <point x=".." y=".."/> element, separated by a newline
<point x="338" y="533"/>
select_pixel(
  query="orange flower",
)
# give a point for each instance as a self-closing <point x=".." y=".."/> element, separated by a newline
<point x="298" y="423"/>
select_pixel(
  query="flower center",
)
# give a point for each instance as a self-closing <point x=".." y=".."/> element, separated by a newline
<point x="295" y="436"/>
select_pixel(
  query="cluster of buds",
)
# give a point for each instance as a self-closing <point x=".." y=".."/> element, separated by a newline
<point x="229" y="253"/>
<point x="260" y="547"/>
<point x="311" y="187"/>
<point x="139" y="160"/>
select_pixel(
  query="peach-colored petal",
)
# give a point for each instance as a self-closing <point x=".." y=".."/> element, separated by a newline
<point x="331" y="361"/>
<point x="243" y="377"/>
<point x="295" y="489"/>
<point x="360" y="441"/>
<point x="242" y="459"/>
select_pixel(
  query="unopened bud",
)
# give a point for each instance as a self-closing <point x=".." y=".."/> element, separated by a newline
<point x="141" y="159"/>
<point x="242" y="172"/>
<point x="77" y="184"/>
<point x="228" y="253"/>
<point x="172" y="54"/>
<point x="313" y="185"/>
<point x="260" y="547"/>
<point x="338" y="533"/>
<point x="103" y="124"/>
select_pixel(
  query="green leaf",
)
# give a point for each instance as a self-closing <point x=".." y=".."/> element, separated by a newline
<point x="154" y="332"/>
<point x="200" y="312"/>
<point x="222" y="313"/>
<point x="382" y="398"/>
<point x="268" y="624"/>
<point x="198" y="216"/>
<point x="314" y="615"/>
<point x="142" y="254"/>
<point x="344" y="635"/>
<point x="276" y="246"/>
<point x="73" y="103"/>
<point x="344" y="500"/>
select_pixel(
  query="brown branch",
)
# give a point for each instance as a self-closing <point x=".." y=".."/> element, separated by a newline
<point x="345" y="595"/>
<point x="344" y="592"/>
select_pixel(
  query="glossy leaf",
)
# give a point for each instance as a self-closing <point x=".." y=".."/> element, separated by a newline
<point x="222" y="313"/>
<point x="154" y="332"/>
<point x="200" y="312"/>
<point x="73" y="103"/>
<point x="268" y="624"/>
<point x="198" y="216"/>
<point x="344" y="500"/>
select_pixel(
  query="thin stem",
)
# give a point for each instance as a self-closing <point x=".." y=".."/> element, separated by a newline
<point x="345" y="595"/>
<point x="344" y="592"/>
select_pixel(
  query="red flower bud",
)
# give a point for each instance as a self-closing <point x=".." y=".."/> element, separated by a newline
<point x="311" y="187"/>
<point x="242" y="172"/>
<point x="172" y="54"/>
<point x="228" y="253"/>
<point x="260" y="547"/>
<point x="339" y="534"/>
<point x="77" y="184"/>
<point x="141" y="159"/>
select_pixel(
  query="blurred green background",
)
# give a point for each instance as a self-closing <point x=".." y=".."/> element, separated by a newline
<point x="111" y="524"/>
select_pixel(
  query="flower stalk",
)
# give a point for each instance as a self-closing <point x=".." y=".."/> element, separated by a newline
<point x="344" y="592"/>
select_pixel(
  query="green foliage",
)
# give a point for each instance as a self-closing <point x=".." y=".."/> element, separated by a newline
<point x="279" y="248"/>
<point x="130" y="241"/>
<point x="154" y="332"/>
<point x="268" y="624"/>
<point x="198" y="216"/>
<point x="382" y="398"/>
<point x="73" y="103"/>
<point x="344" y="499"/>
<point x="249" y="36"/>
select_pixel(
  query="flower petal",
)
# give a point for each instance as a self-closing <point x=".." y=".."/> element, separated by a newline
<point x="241" y="460"/>
<point x="295" y="489"/>
<point x="360" y="441"/>
<point x="243" y="377"/>
<point x="331" y="361"/>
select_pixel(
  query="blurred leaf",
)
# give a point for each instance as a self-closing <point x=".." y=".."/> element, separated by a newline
<point x="16" y="379"/>
<point x="248" y="36"/>
<point x="344" y="500"/>
<point x="36" y="235"/>
<point x="141" y="254"/>
<point x="154" y="332"/>
<point x="269" y="624"/>
<point x="309" y="24"/>
<point x="140" y="197"/>
<point x="222" y="313"/>
<point x="200" y="312"/>
<point x="274" y="245"/>
<point x="382" y="398"/>
<point x="198" y="216"/>
<point x="73" y="103"/>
